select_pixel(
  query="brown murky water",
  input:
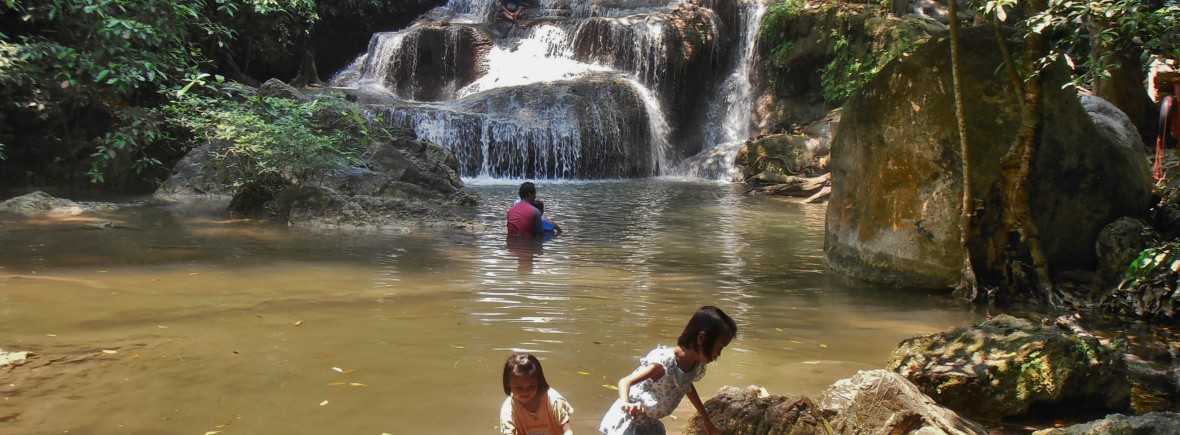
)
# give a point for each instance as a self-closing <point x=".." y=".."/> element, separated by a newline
<point x="178" y="321"/>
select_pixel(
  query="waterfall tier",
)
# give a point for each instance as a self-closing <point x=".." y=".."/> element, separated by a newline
<point x="582" y="89"/>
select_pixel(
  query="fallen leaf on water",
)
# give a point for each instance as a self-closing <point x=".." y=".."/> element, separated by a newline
<point x="51" y="335"/>
<point x="108" y="351"/>
<point x="584" y="373"/>
<point x="456" y="346"/>
<point x="298" y="323"/>
<point x="336" y="384"/>
<point x="611" y="387"/>
<point x="212" y="432"/>
<point x="192" y="273"/>
<point x="823" y="345"/>
<point x="596" y="342"/>
<point x="357" y="384"/>
<point x="347" y="371"/>
<point x="135" y="356"/>
<point x="323" y="403"/>
<point x="338" y="369"/>
<point x="778" y="329"/>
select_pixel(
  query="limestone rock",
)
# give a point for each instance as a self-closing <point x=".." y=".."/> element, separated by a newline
<point x="896" y="179"/>
<point x="1005" y="366"/>
<point x="880" y="401"/>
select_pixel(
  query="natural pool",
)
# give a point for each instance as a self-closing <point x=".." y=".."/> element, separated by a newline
<point x="176" y="319"/>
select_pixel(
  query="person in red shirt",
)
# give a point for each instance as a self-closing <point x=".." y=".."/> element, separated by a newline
<point x="524" y="220"/>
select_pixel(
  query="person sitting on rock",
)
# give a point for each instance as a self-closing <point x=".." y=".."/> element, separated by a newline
<point x="511" y="10"/>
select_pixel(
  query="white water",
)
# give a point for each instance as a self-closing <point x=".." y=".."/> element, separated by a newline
<point x="507" y="124"/>
<point x="730" y="108"/>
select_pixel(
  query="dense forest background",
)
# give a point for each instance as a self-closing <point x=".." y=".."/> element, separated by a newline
<point x="110" y="93"/>
<point x="92" y="92"/>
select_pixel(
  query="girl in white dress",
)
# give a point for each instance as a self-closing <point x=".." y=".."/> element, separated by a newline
<point x="532" y="408"/>
<point x="666" y="375"/>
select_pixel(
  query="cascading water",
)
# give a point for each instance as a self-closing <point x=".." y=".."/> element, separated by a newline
<point x="586" y="89"/>
<point x="731" y="107"/>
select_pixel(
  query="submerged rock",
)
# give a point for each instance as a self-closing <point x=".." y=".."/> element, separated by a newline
<point x="13" y="358"/>
<point x="38" y="203"/>
<point x="1006" y="366"/>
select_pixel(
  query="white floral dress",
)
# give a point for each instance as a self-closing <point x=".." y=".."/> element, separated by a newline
<point x="659" y="398"/>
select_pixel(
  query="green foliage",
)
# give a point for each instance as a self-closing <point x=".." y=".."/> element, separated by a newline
<point x="1149" y="260"/>
<point x="266" y="139"/>
<point x="772" y="32"/>
<point x="852" y="67"/>
<point x="847" y="71"/>
<point x="1112" y="26"/>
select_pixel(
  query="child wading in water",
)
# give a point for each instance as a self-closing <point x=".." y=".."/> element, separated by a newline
<point x="532" y="408"/>
<point x="666" y="375"/>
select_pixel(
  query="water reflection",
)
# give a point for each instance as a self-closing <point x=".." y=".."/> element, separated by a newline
<point x="206" y="308"/>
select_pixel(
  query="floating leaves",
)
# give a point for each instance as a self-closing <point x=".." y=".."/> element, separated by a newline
<point x="611" y="387"/>
<point x="584" y="373"/>
<point x="109" y="352"/>
<point x="351" y="384"/>
<point x="345" y="371"/>
<point x="323" y="403"/>
<point x="298" y="323"/>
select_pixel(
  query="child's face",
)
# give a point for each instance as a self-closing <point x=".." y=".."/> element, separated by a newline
<point x="714" y="353"/>
<point x="524" y="388"/>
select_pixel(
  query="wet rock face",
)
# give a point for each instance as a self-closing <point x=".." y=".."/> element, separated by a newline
<point x="1008" y="365"/>
<point x="426" y="63"/>
<point x="896" y="179"/>
<point x="591" y="127"/>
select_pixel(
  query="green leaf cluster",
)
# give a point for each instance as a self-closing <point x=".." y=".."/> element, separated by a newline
<point x="772" y="32"/>
<point x="267" y="140"/>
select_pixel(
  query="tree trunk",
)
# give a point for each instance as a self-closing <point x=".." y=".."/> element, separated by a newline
<point x="1016" y="264"/>
<point x="968" y="286"/>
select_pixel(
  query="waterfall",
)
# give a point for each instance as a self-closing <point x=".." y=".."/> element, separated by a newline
<point x="731" y="107"/>
<point x="585" y="89"/>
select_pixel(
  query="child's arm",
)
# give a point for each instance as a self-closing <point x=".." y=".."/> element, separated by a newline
<point x="653" y="372"/>
<point x="707" y="424"/>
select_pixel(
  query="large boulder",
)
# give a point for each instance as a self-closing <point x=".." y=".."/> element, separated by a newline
<point x="896" y="168"/>
<point x="777" y="158"/>
<point x="1006" y="366"/>
<point x="880" y="402"/>
<point x="1119" y="244"/>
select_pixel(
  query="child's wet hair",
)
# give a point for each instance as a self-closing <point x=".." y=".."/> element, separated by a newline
<point x="523" y="364"/>
<point x="713" y="322"/>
